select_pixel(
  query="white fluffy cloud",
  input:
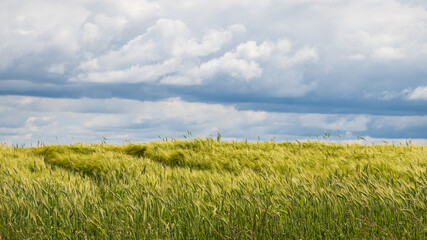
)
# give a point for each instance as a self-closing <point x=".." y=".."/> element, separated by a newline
<point x="250" y="50"/>
<point x="169" y="53"/>
<point x="232" y="65"/>
<point x="419" y="93"/>
<point x="381" y="29"/>
<point x="278" y="53"/>
<point x="165" y="49"/>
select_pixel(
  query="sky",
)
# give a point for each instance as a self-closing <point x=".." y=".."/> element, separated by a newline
<point x="132" y="71"/>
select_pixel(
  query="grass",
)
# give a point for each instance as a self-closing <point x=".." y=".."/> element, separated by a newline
<point x="206" y="189"/>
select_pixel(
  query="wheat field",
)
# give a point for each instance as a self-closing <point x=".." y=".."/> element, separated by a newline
<point x="209" y="189"/>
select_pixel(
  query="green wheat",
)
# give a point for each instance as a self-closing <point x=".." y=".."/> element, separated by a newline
<point x="208" y="189"/>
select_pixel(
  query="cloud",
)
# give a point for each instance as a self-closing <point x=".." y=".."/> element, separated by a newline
<point x="336" y="122"/>
<point x="388" y="53"/>
<point x="231" y="65"/>
<point x="419" y="93"/>
<point x="212" y="42"/>
<point x="165" y="49"/>
<point x="278" y="52"/>
<point x="250" y="50"/>
<point x="133" y="74"/>
<point x="57" y="68"/>
<point x="385" y="30"/>
<point x="387" y="95"/>
<point x="91" y="32"/>
<point x="14" y="85"/>
<point x="357" y="56"/>
<point x="399" y="123"/>
<point x="168" y="53"/>
<point x="303" y="55"/>
<point x="89" y="119"/>
<point x="137" y="9"/>
<point x="76" y="117"/>
<point x="35" y="27"/>
<point x="299" y="56"/>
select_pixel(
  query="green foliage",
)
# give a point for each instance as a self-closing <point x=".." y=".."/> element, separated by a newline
<point x="211" y="189"/>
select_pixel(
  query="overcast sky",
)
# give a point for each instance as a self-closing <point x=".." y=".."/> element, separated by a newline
<point x="81" y="70"/>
